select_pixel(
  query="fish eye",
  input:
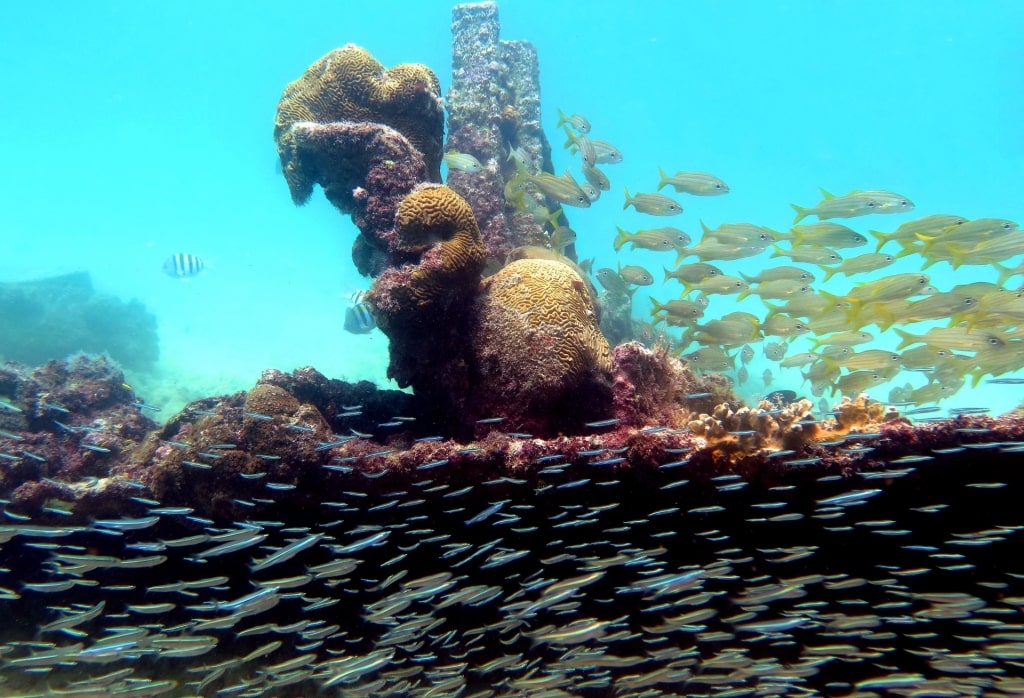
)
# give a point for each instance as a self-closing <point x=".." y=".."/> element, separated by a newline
<point x="994" y="341"/>
<point x="888" y="258"/>
<point x="871" y="204"/>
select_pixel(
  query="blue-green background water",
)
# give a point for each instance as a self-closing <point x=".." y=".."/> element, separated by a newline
<point x="133" y="131"/>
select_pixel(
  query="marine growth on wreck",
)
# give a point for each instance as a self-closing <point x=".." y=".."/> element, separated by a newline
<point x="573" y="496"/>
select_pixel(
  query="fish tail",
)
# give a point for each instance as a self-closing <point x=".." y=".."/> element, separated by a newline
<point x="1005" y="273"/>
<point x="562" y="119"/>
<point x="772" y="309"/>
<point x="748" y="279"/>
<point x="778" y="252"/>
<point x="668" y="274"/>
<point x="908" y="249"/>
<point x="744" y="293"/>
<point x="801" y="213"/>
<point x="681" y="254"/>
<point x="658" y="305"/>
<point x="629" y="199"/>
<point x="829" y="272"/>
<point x="621" y="238"/>
<point x="881" y="237"/>
<point x="664" y="179"/>
<point x="906" y="339"/>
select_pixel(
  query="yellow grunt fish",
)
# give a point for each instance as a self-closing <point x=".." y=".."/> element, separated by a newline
<point x="721" y="285"/>
<point x="808" y="255"/>
<point x="693" y="273"/>
<point x="564" y="189"/>
<point x="680" y="308"/>
<point x="577" y="121"/>
<point x="825" y="234"/>
<point x="655" y="239"/>
<point x="861" y="264"/>
<point x="856" y="203"/>
<point x="695" y="183"/>
<point x="463" y="162"/>
<point x="597" y="178"/>
<point x="777" y="289"/>
<point x="778" y="273"/>
<point x="907" y="233"/>
<point x="636" y="275"/>
<point x="871" y="359"/>
<point x="784" y="326"/>
<point x="653" y="204"/>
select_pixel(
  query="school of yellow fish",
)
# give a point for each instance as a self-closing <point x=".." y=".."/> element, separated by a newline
<point x="970" y="331"/>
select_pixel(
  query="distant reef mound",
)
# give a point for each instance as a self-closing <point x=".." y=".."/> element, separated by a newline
<point x="50" y="318"/>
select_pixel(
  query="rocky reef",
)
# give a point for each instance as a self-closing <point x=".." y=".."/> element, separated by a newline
<point x="523" y="344"/>
<point x="310" y="536"/>
<point x="54" y="317"/>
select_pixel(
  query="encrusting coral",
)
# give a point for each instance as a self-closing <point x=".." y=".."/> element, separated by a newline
<point x="349" y="84"/>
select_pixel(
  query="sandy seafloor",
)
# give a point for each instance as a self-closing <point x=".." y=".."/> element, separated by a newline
<point x="135" y="131"/>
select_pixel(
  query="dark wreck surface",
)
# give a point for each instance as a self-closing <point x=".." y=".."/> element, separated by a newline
<point x="262" y="544"/>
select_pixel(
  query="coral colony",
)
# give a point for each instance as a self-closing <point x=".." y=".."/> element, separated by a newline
<point x="545" y="516"/>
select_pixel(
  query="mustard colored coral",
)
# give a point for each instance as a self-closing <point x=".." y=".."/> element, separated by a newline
<point x="436" y="231"/>
<point x="537" y="338"/>
<point x="349" y="84"/>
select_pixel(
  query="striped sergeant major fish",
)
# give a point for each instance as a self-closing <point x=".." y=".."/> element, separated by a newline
<point x="358" y="316"/>
<point x="183" y="266"/>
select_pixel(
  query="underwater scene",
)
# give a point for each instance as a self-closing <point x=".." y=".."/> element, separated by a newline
<point x="512" y="349"/>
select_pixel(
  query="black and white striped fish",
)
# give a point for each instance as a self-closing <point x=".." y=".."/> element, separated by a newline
<point x="358" y="316"/>
<point x="183" y="266"/>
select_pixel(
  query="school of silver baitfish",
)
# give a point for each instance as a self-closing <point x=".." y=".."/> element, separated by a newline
<point x="584" y="575"/>
<point x="973" y="329"/>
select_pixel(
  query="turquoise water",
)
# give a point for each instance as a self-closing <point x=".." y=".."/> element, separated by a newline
<point x="136" y="131"/>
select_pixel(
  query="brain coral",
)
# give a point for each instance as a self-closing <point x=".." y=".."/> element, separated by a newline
<point x="436" y="251"/>
<point x="537" y="341"/>
<point x="348" y="84"/>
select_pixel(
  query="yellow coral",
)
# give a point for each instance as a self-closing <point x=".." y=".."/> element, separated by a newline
<point x="349" y="84"/>
<point x="438" y="224"/>
<point x="539" y="319"/>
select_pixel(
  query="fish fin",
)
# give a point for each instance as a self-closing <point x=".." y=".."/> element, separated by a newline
<point x="881" y="237"/>
<point x="829" y="272"/>
<point x="620" y="239"/>
<point x="801" y="213"/>
<point x="658" y="305"/>
<point x="906" y="338"/>
<point x="744" y="293"/>
<point x="664" y="178"/>
<point x="704" y="229"/>
<point x="570" y="139"/>
<point x="772" y="309"/>
<point x="1005" y="273"/>
<point x="777" y="253"/>
<point x="629" y="199"/>
<point x="826" y="194"/>
<point x="562" y="118"/>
